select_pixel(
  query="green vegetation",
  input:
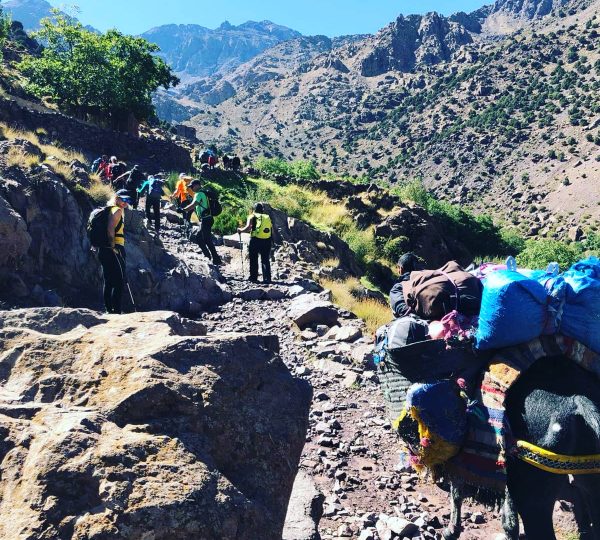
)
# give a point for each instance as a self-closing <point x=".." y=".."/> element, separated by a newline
<point x="5" y="22"/>
<point x="539" y="253"/>
<point x="278" y="168"/>
<point x="109" y="76"/>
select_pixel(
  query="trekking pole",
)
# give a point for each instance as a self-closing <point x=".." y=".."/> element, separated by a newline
<point x="131" y="296"/>
<point x="242" y="254"/>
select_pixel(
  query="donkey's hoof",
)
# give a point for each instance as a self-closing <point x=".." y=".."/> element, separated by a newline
<point x="449" y="534"/>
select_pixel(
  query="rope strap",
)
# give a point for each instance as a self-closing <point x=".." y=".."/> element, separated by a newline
<point x="557" y="463"/>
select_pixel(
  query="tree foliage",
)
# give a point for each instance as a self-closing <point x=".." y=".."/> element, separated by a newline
<point x="298" y="170"/>
<point x="5" y="24"/>
<point x="107" y="75"/>
<point x="541" y="252"/>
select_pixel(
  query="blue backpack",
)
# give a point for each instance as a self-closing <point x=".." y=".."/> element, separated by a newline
<point x="155" y="189"/>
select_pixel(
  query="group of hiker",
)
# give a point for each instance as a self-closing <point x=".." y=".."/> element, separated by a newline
<point x="191" y="196"/>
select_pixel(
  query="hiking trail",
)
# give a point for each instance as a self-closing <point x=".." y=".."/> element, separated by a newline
<point x="351" y="454"/>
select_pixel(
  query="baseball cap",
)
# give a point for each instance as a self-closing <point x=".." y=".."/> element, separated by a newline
<point x="124" y="195"/>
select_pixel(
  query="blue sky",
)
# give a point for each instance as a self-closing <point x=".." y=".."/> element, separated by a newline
<point x="328" y="17"/>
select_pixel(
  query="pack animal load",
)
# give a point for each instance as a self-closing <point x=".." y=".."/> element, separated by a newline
<point x="446" y="397"/>
<point x="431" y="294"/>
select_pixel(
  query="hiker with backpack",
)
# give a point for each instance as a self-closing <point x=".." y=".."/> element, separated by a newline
<point x="207" y="207"/>
<point x="106" y="230"/>
<point x="260" y="227"/>
<point x="184" y="196"/>
<point x="153" y="188"/>
<point x="133" y="181"/>
<point x="407" y="263"/>
<point x="117" y="173"/>
<point x="99" y="163"/>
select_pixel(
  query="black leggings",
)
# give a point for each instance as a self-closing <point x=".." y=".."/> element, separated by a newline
<point x="262" y="247"/>
<point x="153" y="206"/>
<point x="113" y="269"/>
<point x="205" y="241"/>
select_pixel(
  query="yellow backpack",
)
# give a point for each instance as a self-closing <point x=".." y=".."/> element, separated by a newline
<point x="263" y="226"/>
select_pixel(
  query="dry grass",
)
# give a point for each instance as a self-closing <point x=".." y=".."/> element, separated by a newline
<point x="67" y="156"/>
<point x="332" y="262"/>
<point x="33" y="137"/>
<point x="61" y="168"/>
<point x="375" y="314"/>
<point x="101" y="193"/>
<point x="17" y="156"/>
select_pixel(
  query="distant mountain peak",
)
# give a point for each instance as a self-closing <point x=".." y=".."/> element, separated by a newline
<point x="194" y="51"/>
<point x="27" y="12"/>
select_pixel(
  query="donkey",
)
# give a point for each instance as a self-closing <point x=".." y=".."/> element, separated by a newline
<point x="554" y="405"/>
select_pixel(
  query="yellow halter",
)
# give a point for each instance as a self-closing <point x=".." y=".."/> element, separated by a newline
<point x="557" y="463"/>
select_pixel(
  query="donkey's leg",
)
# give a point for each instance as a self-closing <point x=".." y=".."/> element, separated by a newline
<point x="452" y="532"/>
<point x="588" y="487"/>
<point x="534" y="493"/>
<point x="510" y="518"/>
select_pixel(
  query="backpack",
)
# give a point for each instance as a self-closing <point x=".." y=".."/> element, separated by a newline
<point x="97" y="227"/>
<point x="155" y="190"/>
<point x="96" y="165"/>
<point x="115" y="170"/>
<point x="431" y="294"/>
<point x="213" y="201"/>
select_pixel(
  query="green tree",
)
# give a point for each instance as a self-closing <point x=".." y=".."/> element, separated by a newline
<point x="108" y="75"/>
<point x="5" y="24"/>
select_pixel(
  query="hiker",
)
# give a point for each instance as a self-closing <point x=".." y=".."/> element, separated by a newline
<point x="153" y="189"/>
<point x="105" y="167"/>
<point x="183" y="195"/>
<point x="99" y="163"/>
<point x="132" y="181"/>
<point x="112" y="256"/>
<point x="117" y="171"/>
<point x="408" y="263"/>
<point x="260" y="228"/>
<point x="201" y="205"/>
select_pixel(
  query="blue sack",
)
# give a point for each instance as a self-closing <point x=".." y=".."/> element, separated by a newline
<point x="581" y="311"/>
<point x="513" y="310"/>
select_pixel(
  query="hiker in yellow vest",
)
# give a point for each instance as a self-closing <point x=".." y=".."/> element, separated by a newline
<point x="260" y="228"/>
<point x="112" y="256"/>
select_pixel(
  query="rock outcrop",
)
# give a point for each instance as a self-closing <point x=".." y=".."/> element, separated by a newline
<point x="427" y="40"/>
<point x="140" y="427"/>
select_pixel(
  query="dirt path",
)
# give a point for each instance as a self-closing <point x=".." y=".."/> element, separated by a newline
<point x="351" y="453"/>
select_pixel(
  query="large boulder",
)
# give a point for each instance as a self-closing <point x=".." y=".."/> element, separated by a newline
<point x="139" y="426"/>
<point x="422" y="235"/>
<point x="308" y="310"/>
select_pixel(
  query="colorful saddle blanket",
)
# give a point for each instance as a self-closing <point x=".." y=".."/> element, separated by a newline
<point x="482" y="460"/>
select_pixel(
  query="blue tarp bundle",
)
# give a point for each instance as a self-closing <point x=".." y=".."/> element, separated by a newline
<point x="581" y="312"/>
<point x="513" y="310"/>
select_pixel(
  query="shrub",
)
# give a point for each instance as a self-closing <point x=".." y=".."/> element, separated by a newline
<point x="541" y="252"/>
<point x="99" y="192"/>
<point x="393" y="248"/>
<point x="18" y="157"/>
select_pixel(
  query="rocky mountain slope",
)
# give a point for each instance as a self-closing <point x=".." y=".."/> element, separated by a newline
<point x="507" y="123"/>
